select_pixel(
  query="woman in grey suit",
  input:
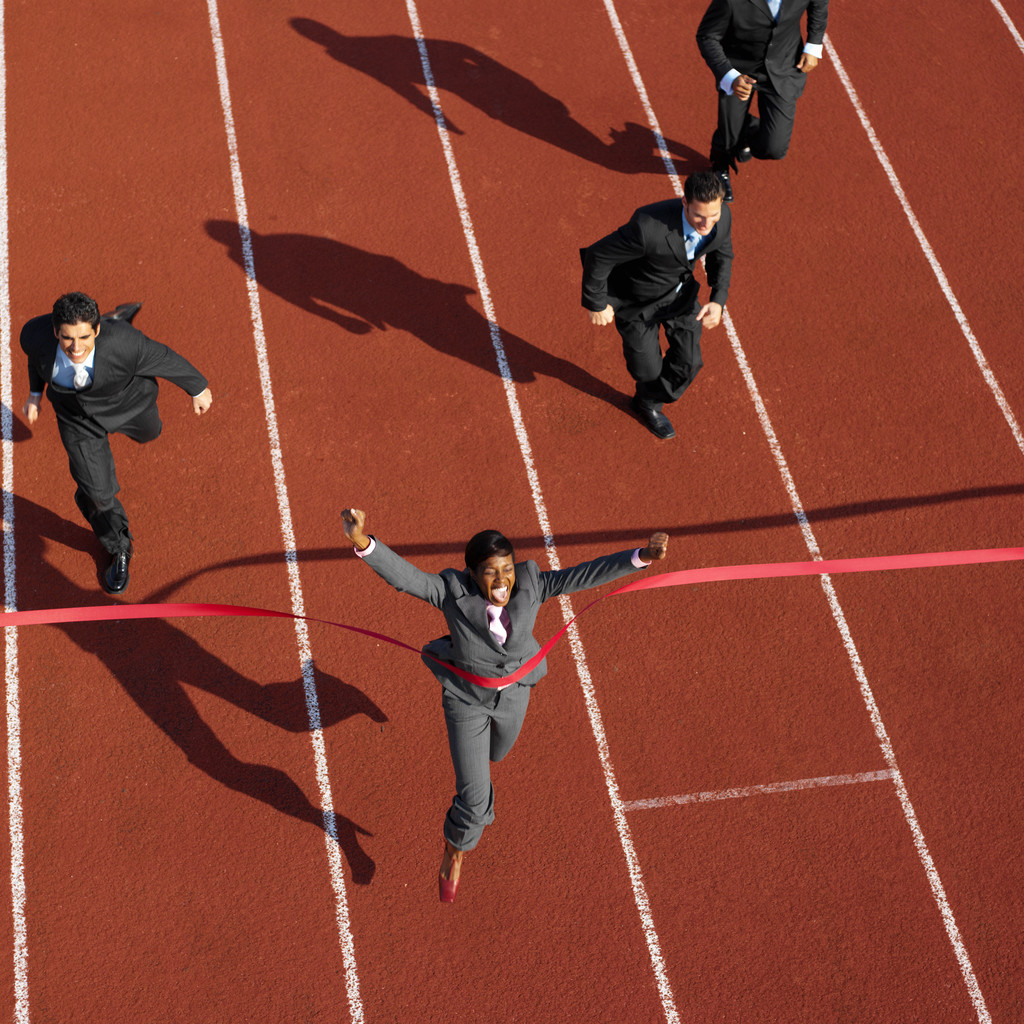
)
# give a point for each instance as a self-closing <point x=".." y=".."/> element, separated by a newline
<point x="490" y="608"/>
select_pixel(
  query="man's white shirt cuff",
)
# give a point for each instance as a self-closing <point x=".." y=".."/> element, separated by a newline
<point x="727" y="79"/>
<point x="369" y="547"/>
<point x="811" y="49"/>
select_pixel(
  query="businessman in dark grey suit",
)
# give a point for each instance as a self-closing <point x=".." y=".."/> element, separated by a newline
<point x="99" y="374"/>
<point x="641" y="278"/>
<point x="757" y="44"/>
<point x="490" y="608"/>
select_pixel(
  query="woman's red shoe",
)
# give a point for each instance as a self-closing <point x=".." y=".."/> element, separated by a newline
<point x="448" y="877"/>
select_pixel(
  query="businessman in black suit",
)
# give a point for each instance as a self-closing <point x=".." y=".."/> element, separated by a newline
<point x="641" y="277"/>
<point x="757" y="45"/>
<point x="99" y="374"/>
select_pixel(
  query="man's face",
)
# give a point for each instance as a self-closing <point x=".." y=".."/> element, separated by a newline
<point x="77" y="340"/>
<point x="703" y="217"/>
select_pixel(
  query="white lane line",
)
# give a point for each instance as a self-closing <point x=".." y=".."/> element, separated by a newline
<point x="641" y="90"/>
<point x="1009" y="24"/>
<point x="926" y="248"/>
<point x="288" y="537"/>
<point x="768" y="788"/>
<point x="593" y="711"/>
<point x="14" y="795"/>
<point x="938" y="892"/>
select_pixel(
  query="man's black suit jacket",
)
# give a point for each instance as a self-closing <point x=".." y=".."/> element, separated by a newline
<point x="742" y="34"/>
<point x="124" y="370"/>
<point x="637" y="268"/>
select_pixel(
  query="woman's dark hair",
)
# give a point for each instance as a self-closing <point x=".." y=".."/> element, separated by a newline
<point x="75" y="308"/>
<point x="486" y="544"/>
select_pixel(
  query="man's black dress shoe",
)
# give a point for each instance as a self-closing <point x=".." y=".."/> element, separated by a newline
<point x="115" y="578"/>
<point x="656" y="422"/>
<point x="750" y="129"/>
<point x="126" y="312"/>
<point x="724" y="177"/>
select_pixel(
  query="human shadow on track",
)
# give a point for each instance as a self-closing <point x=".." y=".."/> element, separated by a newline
<point x="324" y="277"/>
<point x="497" y="91"/>
<point x="628" y="535"/>
<point x="19" y="429"/>
<point x="155" y="662"/>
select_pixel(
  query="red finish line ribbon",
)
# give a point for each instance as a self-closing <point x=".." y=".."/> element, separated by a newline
<point x="684" y="577"/>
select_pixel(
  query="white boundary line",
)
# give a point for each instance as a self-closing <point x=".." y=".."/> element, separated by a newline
<point x="288" y="536"/>
<point x="594" y="712"/>
<point x="940" y="275"/>
<point x="1009" y="24"/>
<point x="768" y="788"/>
<point x="952" y="931"/>
<point x="641" y="90"/>
<point x="938" y="892"/>
<point x="14" y="796"/>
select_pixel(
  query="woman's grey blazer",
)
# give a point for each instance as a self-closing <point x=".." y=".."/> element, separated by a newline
<point x="470" y="645"/>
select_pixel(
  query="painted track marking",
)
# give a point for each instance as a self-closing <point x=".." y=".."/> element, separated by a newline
<point x="926" y="248"/>
<point x="14" y="795"/>
<point x="839" y="616"/>
<point x="9" y="558"/>
<point x="938" y="891"/>
<point x="762" y="790"/>
<point x="1008" y="22"/>
<point x="288" y="536"/>
<point x="575" y="643"/>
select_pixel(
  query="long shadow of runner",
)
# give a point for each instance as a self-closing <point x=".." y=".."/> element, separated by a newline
<point x="154" y="662"/>
<point x="497" y="91"/>
<point x="324" y="277"/>
<point x="605" y="537"/>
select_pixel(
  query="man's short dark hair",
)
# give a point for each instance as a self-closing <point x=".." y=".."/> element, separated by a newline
<point x="486" y="544"/>
<point x="75" y="308"/>
<point x="703" y="187"/>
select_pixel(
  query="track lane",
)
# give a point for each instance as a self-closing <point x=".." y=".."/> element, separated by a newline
<point x="801" y="921"/>
<point x="952" y="463"/>
<point x="923" y="276"/>
<point x="950" y="149"/>
<point x="488" y="152"/>
<point x="152" y="880"/>
<point x="387" y="462"/>
<point x="963" y="493"/>
<point x="382" y="461"/>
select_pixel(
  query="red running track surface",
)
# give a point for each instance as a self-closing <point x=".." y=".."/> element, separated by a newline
<point x="166" y="791"/>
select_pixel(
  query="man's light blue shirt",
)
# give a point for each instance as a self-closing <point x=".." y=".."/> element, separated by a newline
<point x="692" y="237"/>
<point x="64" y="370"/>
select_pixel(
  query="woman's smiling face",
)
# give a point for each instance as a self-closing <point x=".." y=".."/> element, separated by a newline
<point x="495" y="577"/>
